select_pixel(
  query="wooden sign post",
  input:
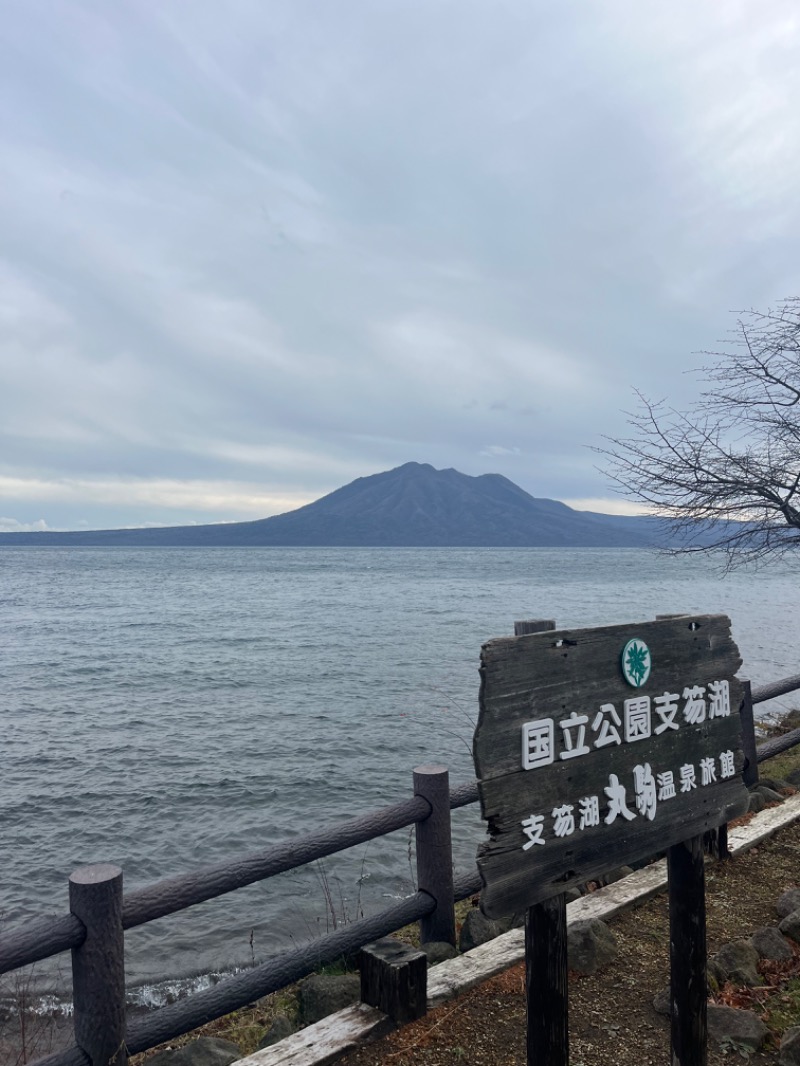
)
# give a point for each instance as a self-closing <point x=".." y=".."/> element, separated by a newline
<point x="594" y="749"/>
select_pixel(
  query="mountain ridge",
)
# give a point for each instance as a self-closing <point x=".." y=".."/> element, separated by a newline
<point x="413" y="505"/>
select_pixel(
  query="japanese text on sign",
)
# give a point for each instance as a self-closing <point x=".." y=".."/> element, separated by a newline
<point x="649" y="790"/>
<point x="642" y="717"/>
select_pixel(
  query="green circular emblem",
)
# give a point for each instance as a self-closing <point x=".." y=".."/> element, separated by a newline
<point x="636" y="662"/>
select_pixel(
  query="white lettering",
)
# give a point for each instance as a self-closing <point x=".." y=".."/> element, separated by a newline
<point x="538" y="747"/>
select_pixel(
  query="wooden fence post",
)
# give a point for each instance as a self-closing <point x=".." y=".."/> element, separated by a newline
<point x="687" y="953"/>
<point x="750" y="772"/>
<point x="98" y="965"/>
<point x="546" y="975"/>
<point x="533" y="625"/>
<point x="435" y="855"/>
<point x="546" y="995"/>
<point x="394" y="978"/>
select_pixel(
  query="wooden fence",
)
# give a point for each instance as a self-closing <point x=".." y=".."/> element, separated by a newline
<point x="100" y="913"/>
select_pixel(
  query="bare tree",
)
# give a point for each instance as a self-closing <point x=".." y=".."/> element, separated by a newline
<point x="727" y="472"/>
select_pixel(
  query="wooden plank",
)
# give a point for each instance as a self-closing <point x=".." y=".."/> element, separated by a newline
<point x="326" y="1040"/>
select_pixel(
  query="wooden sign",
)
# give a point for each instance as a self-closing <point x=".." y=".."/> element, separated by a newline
<point x="599" y="747"/>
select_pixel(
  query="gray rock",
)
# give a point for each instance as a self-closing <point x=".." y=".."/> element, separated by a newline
<point x="661" y="1001"/>
<point x="438" y="951"/>
<point x="590" y="946"/>
<point x="281" y="1027"/>
<point x="742" y="1028"/>
<point x="788" y="902"/>
<point x="572" y="894"/>
<point x="205" y="1051"/>
<point x="770" y="795"/>
<point x="756" y="804"/>
<point x="715" y="975"/>
<point x="775" y="783"/>
<point x="793" y="778"/>
<point x="791" y="720"/>
<point x="321" y="995"/>
<point x="478" y="929"/>
<point x="770" y="943"/>
<point x="790" y="926"/>
<point x="790" y="1047"/>
<point x="738" y="961"/>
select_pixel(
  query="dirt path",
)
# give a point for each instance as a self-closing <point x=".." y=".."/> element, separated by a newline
<point x="612" y="1020"/>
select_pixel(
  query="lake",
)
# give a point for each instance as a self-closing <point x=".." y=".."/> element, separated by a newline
<point x="165" y="709"/>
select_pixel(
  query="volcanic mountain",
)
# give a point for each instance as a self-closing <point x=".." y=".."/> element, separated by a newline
<point x="413" y="505"/>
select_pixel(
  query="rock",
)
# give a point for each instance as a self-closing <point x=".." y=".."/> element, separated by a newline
<point x="790" y="1047"/>
<point x="775" y="783"/>
<point x="281" y="1027"/>
<point x="738" y="961"/>
<point x="205" y="1051"/>
<point x="770" y="943"/>
<point x="741" y="1028"/>
<point x="321" y="995"/>
<point x="438" y="951"/>
<point x="478" y="929"/>
<point x="770" y="795"/>
<point x="661" y="1001"/>
<point x="757" y="803"/>
<point x="793" y="778"/>
<point x="590" y="946"/>
<point x="790" y="721"/>
<point x="715" y="975"/>
<point x="572" y="894"/>
<point x="617" y="875"/>
<point x="788" y="902"/>
<point x="790" y="926"/>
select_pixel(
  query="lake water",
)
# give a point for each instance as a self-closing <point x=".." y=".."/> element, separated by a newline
<point x="164" y="709"/>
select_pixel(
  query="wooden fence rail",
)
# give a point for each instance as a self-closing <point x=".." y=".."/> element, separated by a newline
<point x="99" y="913"/>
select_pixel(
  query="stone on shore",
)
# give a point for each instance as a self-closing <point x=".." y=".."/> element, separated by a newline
<point x="205" y="1051"/>
<point x="438" y="951"/>
<point x="281" y="1028"/>
<point x="741" y="1028"/>
<point x="790" y="926"/>
<point x="321" y="995"/>
<point x="756" y="803"/>
<point x="662" y="1004"/>
<point x="590" y="946"/>
<point x="790" y="1047"/>
<point x="788" y="902"/>
<point x="770" y="943"/>
<point x="478" y="929"/>
<point x="738" y="961"/>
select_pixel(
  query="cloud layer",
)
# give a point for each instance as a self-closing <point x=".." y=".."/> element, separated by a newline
<point x="250" y="253"/>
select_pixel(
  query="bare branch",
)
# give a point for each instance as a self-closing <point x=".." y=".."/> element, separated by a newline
<point x="726" y="474"/>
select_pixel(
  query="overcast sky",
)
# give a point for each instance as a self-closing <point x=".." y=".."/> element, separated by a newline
<point x="250" y="251"/>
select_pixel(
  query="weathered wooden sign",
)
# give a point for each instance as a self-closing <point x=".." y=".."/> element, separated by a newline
<point x="598" y="747"/>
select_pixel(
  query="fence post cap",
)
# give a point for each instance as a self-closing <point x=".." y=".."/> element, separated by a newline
<point x="96" y="874"/>
<point x="431" y="769"/>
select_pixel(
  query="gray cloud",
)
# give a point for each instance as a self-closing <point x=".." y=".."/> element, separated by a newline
<point x="249" y="254"/>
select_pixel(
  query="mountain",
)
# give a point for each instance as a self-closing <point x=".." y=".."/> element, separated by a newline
<point x="413" y="505"/>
